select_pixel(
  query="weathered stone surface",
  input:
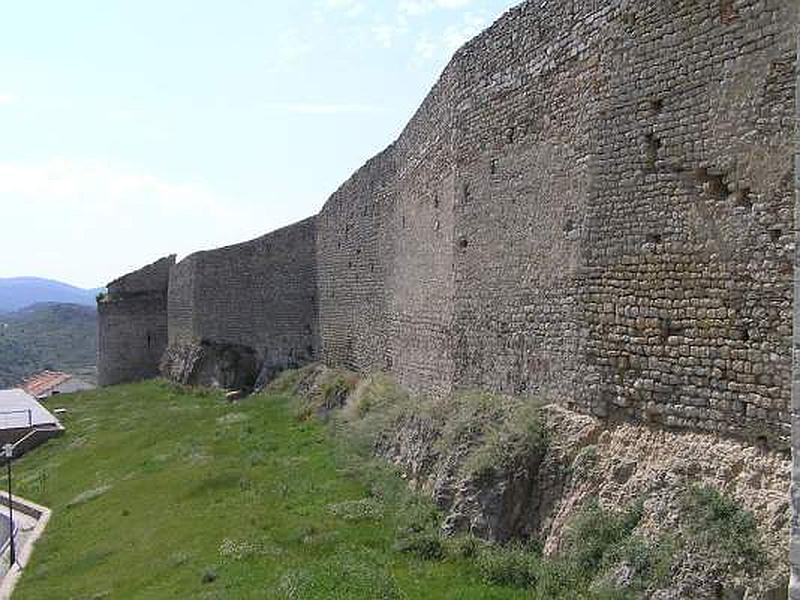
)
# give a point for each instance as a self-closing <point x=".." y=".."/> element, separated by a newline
<point x="794" y="554"/>
<point x="594" y="204"/>
<point x="132" y="324"/>
<point x="238" y="315"/>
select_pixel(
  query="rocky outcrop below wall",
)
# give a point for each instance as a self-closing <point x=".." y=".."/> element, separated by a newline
<point x="502" y="471"/>
<point x="132" y="324"/>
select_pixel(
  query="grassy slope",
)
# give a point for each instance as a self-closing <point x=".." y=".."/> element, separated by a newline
<point x="187" y="472"/>
<point x="46" y="336"/>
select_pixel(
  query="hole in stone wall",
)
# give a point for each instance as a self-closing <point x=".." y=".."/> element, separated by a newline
<point x="744" y="335"/>
<point x="700" y="175"/>
<point x="656" y="105"/>
<point x="436" y="201"/>
<point x="350" y="264"/>
<point x="149" y="341"/>
<point x="372" y="268"/>
<point x="668" y="329"/>
<point x="493" y="166"/>
<point x="742" y="198"/>
<point x="715" y="187"/>
<point x="629" y="19"/>
<point x="727" y="11"/>
<point x="466" y="194"/>
<point x="775" y="234"/>
<point x="403" y="222"/>
<point x="654" y="238"/>
<point x="463" y="243"/>
<point x="569" y="226"/>
<point x="651" y="146"/>
<point x="511" y="132"/>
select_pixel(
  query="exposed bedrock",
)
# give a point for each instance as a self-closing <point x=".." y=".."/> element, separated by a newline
<point x="227" y="366"/>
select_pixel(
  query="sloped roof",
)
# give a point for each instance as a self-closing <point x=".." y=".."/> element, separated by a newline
<point x="43" y="383"/>
<point x="19" y="409"/>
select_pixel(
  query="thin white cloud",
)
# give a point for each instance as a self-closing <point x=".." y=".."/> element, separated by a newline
<point x="349" y="8"/>
<point x="425" y="48"/>
<point x="312" y="108"/>
<point x="89" y="186"/>
<point x="387" y="34"/>
<point x="441" y="46"/>
<point x="101" y="219"/>
<point x="423" y="7"/>
<point x="457" y="35"/>
<point x="291" y="48"/>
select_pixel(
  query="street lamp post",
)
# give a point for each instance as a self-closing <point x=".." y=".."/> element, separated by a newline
<point x="9" y="453"/>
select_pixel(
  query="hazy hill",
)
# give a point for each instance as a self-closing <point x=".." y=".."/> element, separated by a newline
<point x="47" y="336"/>
<point x="19" y="292"/>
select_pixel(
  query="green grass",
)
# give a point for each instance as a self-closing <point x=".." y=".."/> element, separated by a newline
<point x="159" y="492"/>
<point x="727" y="530"/>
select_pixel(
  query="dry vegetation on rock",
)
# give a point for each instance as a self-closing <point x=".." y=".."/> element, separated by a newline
<point x="577" y="508"/>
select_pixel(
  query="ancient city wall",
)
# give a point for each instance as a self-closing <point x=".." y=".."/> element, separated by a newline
<point x="353" y="262"/>
<point x="626" y="215"/>
<point x="243" y="309"/>
<point x="593" y="205"/>
<point x="132" y="324"/>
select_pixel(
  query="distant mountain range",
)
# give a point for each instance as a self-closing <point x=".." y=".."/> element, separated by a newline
<point x="20" y="292"/>
<point x="53" y="336"/>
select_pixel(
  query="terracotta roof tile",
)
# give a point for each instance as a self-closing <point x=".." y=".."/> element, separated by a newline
<point x="43" y="383"/>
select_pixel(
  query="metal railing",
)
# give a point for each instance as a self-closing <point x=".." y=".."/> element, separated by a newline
<point x="6" y="418"/>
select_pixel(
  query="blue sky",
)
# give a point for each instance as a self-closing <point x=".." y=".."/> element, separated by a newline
<point x="138" y="128"/>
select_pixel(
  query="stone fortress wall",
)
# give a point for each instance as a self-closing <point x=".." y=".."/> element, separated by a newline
<point x="245" y="310"/>
<point x="132" y="324"/>
<point x="593" y="205"/>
